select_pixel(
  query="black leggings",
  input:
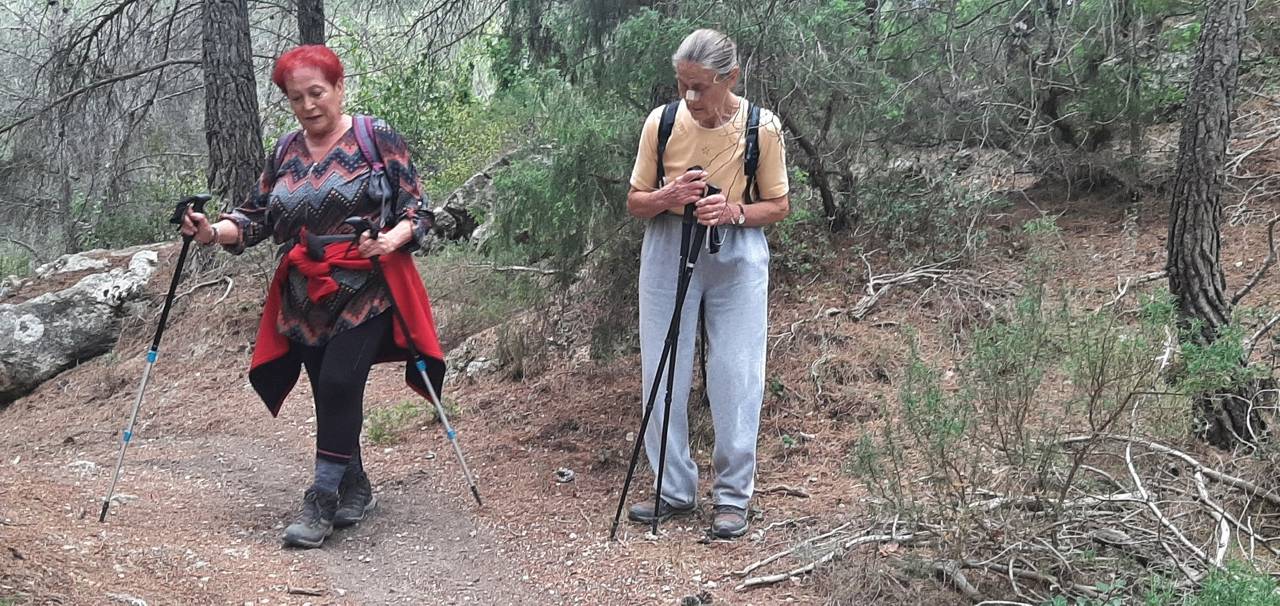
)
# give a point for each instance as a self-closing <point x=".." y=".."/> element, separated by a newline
<point x="338" y="372"/>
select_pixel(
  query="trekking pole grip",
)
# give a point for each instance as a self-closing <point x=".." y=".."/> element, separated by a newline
<point x="195" y="202"/>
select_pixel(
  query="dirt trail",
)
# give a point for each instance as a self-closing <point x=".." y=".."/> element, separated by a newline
<point x="201" y="516"/>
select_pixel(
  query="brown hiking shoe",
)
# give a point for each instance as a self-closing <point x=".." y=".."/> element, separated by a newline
<point x="729" y="522"/>
<point x="643" y="511"/>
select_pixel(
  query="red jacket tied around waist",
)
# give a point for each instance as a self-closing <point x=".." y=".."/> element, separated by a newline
<point x="273" y="373"/>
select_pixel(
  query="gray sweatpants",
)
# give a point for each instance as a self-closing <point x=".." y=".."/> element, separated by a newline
<point x="734" y="284"/>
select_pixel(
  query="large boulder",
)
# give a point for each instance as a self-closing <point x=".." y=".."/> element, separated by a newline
<point x="468" y="210"/>
<point x="44" y="335"/>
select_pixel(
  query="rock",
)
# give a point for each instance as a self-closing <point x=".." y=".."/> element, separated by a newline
<point x="466" y="208"/>
<point x="69" y="263"/>
<point x="564" y="475"/>
<point x="43" y="336"/>
<point x="127" y="599"/>
<point x="83" y="467"/>
<point x="697" y="600"/>
<point x="473" y="358"/>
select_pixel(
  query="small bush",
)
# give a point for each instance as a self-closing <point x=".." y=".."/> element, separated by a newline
<point x="14" y="262"/>
<point x="468" y="296"/>
<point x="924" y="216"/>
<point x="147" y="220"/>
<point x="382" y="424"/>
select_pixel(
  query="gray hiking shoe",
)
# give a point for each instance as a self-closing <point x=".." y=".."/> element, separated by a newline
<point x="315" y="522"/>
<point x="355" y="499"/>
<point x="643" y="511"/>
<point x="729" y="522"/>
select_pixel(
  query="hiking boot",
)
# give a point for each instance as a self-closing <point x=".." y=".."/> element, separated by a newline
<point x="729" y="522"/>
<point x="355" y="499"/>
<point x="643" y="511"/>
<point x="315" y="523"/>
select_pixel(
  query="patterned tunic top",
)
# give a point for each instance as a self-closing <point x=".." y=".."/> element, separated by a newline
<point x="319" y="194"/>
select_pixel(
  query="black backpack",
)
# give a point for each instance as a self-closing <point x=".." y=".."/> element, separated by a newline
<point x="750" y="158"/>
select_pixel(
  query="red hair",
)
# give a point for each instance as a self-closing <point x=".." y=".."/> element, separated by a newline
<point x="308" y="55"/>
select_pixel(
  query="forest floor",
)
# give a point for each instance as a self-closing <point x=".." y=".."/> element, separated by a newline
<point x="211" y="479"/>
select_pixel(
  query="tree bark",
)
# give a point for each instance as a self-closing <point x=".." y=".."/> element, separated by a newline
<point x="310" y="21"/>
<point x="231" y="100"/>
<point x="1195" y="269"/>
<point x="871" y="8"/>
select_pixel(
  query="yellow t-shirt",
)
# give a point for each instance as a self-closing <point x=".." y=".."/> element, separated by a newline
<point x="717" y="150"/>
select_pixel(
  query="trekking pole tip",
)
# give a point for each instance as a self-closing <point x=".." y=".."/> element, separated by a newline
<point x="102" y="516"/>
<point x="476" y="493"/>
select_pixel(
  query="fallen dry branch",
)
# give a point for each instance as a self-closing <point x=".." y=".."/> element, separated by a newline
<point x="1159" y="515"/>
<point x="514" y="268"/>
<point x="1038" y="503"/>
<point x="965" y="286"/>
<point x="206" y="284"/>
<point x="1211" y="473"/>
<point x="952" y="572"/>
<point x="1031" y="575"/>
<point x="830" y="554"/>
<point x="783" y="489"/>
<point x="1224" y="528"/>
<point x="878" y="285"/>
<point x="1122" y="287"/>
<point x="777" y="556"/>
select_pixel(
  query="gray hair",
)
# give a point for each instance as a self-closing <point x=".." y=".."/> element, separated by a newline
<point x="710" y="49"/>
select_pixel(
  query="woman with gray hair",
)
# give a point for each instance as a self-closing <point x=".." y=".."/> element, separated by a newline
<point x="740" y="150"/>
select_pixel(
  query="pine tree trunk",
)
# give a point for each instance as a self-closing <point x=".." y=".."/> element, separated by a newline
<point x="231" y="121"/>
<point x="311" y="21"/>
<point x="1195" y="268"/>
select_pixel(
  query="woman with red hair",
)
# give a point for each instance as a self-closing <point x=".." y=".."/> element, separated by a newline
<point x="332" y="315"/>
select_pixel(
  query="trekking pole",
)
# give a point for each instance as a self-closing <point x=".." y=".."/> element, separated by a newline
<point x="688" y="257"/>
<point x="196" y="202"/>
<point x="362" y="225"/>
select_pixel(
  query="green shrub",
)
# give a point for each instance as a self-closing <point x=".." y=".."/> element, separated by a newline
<point x="147" y="218"/>
<point x="382" y="424"/>
<point x="14" y="262"/>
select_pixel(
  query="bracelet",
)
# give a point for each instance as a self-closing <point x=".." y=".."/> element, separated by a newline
<point x="215" y="235"/>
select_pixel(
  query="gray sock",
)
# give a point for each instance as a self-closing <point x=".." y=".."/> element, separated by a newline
<point x="355" y="460"/>
<point x="329" y="474"/>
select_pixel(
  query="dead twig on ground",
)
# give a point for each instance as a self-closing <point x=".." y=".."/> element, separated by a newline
<point x="1122" y="288"/>
<point x="514" y="268"/>
<point x="1266" y="264"/>
<point x="786" y="490"/>
<point x="205" y="285"/>
<point x="878" y="285"/>
<point x="827" y="557"/>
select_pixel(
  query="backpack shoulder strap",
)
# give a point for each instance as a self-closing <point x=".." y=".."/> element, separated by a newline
<point x="664" y="133"/>
<point x="368" y="142"/>
<point x="751" y="156"/>
<point x="277" y="158"/>
<point x="363" y="125"/>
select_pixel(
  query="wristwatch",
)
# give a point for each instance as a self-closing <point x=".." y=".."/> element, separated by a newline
<point x="742" y="215"/>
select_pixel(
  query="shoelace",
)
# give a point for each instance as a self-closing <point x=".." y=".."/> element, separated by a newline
<point x="730" y="509"/>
